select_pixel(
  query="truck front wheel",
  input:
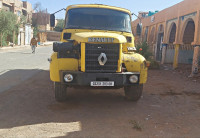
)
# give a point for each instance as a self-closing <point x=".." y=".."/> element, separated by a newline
<point x="60" y="92"/>
<point x="133" y="93"/>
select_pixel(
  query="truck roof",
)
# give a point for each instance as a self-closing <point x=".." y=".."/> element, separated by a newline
<point x="98" y="6"/>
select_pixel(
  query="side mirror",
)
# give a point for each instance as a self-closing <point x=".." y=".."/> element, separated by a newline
<point x="52" y="20"/>
<point x="55" y="47"/>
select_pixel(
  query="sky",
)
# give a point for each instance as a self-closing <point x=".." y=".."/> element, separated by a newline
<point x="133" y="5"/>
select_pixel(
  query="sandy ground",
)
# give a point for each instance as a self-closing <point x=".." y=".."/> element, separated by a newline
<point x="170" y="107"/>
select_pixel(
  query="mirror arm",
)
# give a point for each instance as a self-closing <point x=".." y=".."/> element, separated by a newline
<point x="59" y="11"/>
<point x="52" y="17"/>
<point x="137" y="17"/>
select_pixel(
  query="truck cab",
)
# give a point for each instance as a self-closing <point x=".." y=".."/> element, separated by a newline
<point x="97" y="50"/>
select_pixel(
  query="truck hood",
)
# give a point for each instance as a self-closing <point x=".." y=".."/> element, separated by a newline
<point x="101" y="37"/>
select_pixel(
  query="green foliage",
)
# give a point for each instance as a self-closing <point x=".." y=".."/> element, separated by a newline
<point x="154" y="64"/>
<point x="8" y="24"/>
<point x="35" y="31"/>
<point x="60" y="25"/>
<point x="8" y="21"/>
<point x="4" y="40"/>
<point x="136" y="125"/>
<point x="143" y="49"/>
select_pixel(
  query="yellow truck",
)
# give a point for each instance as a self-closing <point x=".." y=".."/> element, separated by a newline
<point x="97" y="51"/>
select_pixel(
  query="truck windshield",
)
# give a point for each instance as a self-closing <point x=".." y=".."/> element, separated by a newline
<point x="98" y="19"/>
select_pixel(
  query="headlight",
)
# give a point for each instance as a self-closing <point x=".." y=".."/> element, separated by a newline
<point x="68" y="78"/>
<point x="133" y="79"/>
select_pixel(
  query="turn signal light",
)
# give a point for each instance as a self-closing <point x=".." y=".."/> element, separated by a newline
<point x="148" y="63"/>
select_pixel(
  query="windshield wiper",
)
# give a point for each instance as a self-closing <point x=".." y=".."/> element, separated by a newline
<point x="76" y="27"/>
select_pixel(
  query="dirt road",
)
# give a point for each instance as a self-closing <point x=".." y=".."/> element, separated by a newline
<point x="170" y="107"/>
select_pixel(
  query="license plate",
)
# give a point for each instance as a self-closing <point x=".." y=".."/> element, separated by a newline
<point x="102" y="83"/>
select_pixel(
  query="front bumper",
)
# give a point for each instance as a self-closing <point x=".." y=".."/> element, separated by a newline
<point x="85" y="79"/>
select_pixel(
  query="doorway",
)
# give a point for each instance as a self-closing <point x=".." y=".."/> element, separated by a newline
<point x="159" y="47"/>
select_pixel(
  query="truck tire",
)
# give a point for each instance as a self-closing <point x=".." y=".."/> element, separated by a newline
<point x="60" y="92"/>
<point x="133" y="93"/>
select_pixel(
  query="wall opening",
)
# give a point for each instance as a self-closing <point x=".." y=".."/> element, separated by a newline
<point x="159" y="43"/>
<point x="139" y="29"/>
<point x="188" y="36"/>
<point x="169" y="58"/>
<point x="151" y="37"/>
<point x="186" y="51"/>
<point x="146" y="33"/>
<point x="172" y="35"/>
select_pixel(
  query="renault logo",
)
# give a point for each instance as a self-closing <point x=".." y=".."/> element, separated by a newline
<point x="102" y="59"/>
<point x="102" y="40"/>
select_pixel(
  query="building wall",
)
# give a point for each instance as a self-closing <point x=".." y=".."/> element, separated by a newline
<point x="44" y="27"/>
<point x="179" y="15"/>
<point x="29" y="10"/>
<point x="1" y="5"/>
<point x="173" y="34"/>
<point x="53" y="36"/>
<point x="180" y="9"/>
<point x="42" y="36"/>
<point x="28" y="33"/>
<point x="5" y="5"/>
<point x="42" y="20"/>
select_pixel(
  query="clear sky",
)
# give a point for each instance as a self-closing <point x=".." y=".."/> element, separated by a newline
<point x="133" y="5"/>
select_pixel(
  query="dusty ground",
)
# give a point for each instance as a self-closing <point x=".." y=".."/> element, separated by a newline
<point x="170" y="107"/>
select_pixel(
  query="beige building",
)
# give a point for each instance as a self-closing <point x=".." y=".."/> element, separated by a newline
<point x="20" y="8"/>
<point x="173" y="34"/>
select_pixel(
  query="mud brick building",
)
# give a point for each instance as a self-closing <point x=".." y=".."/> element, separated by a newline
<point x="42" y="19"/>
<point x="173" y="34"/>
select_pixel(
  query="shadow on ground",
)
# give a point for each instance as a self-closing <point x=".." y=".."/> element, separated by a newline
<point x="29" y="109"/>
<point x="32" y="102"/>
<point x="11" y="78"/>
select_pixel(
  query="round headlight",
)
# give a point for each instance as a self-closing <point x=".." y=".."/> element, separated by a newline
<point x="133" y="79"/>
<point x="68" y="78"/>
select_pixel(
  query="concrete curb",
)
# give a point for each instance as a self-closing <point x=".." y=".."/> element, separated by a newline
<point x="25" y="46"/>
<point x="15" y="47"/>
<point x="46" y="44"/>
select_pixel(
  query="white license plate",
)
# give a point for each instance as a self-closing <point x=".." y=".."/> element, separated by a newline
<point x="102" y="83"/>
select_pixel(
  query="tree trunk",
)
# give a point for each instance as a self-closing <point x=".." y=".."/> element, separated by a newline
<point x="13" y="38"/>
<point x="1" y="40"/>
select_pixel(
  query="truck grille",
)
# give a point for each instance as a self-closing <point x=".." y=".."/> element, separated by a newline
<point x="92" y="53"/>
